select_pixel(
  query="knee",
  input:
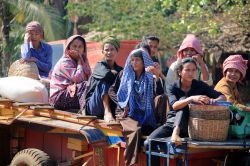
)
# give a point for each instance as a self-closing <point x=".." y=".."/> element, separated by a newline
<point x="146" y="143"/>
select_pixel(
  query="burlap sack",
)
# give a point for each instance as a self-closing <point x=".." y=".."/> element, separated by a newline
<point x="25" y="69"/>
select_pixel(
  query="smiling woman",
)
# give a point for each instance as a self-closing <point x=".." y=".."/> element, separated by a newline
<point x="234" y="70"/>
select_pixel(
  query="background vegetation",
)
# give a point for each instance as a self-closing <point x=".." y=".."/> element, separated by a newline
<point x="130" y="19"/>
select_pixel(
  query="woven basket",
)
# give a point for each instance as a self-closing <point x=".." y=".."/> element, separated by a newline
<point x="26" y="69"/>
<point x="208" y="130"/>
<point x="208" y="123"/>
<point x="209" y="112"/>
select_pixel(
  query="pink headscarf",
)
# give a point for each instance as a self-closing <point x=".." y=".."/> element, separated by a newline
<point x="190" y="41"/>
<point x="235" y="62"/>
<point x="34" y="26"/>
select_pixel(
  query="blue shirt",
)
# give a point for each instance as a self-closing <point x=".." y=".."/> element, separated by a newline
<point x="43" y="56"/>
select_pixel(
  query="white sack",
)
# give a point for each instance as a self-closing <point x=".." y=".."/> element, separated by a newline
<point x="23" y="89"/>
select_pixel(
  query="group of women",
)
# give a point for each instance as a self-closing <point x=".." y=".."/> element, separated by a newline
<point x="111" y="92"/>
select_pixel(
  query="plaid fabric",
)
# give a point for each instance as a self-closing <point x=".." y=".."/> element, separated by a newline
<point x="126" y="93"/>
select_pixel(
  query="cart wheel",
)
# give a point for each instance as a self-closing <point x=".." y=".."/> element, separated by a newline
<point x="31" y="157"/>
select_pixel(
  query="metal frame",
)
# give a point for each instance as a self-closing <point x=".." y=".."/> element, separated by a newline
<point x="171" y="151"/>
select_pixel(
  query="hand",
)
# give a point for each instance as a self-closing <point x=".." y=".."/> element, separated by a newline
<point x="72" y="90"/>
<point x="122" y="114"/>
<point x="108" y="117"/>
<point x="32" y="59"/>
<point x="74" y="54"/>
<point x="157" y="65"/>
<point x="114" y="72"/>
<point x="27" y="37"/>
<point x="21" y="60"/>
<point x="153" y="70"/>
<point x="198" y="58"/>
<point x="247" y="109"/>
<point x="201" y="99"/>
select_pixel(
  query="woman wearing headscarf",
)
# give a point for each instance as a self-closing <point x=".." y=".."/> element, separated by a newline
<point x="190" y="47"/>
<point x="234" y="70"/>
<point x="35" y="50"/>
<point x="69" y="77"/>
<point x="135" y="96"/>
<point x="97" y="101"/>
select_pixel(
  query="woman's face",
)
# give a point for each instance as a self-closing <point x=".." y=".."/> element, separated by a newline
<point x="35" y="36"/>
<point x="188" y="52"/>
<point x="77" y="45"/>
<point x="109" y="51"/>
<point x="153" y="44"/>
<point x="137" y="64"/>
<point x="233" y="75"/>
<point x="188" y="72"/>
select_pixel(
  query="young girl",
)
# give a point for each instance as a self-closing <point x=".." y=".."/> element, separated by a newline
<point x="35" y="50"/>
<point x="184" y="91"/>
<point x="190" y="47"/>
<point x="135" y="96"/>
<point x="70" y="75"/>
<point x="234" y="70"/>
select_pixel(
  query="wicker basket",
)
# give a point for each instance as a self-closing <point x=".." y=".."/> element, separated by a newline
<point x="208" y="123"/>
<point x="26" y="69"/>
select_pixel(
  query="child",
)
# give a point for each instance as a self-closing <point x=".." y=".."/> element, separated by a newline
<point x="234" y="70"/>
<point x="35" y="50"/>
<point x="70" y="75"/>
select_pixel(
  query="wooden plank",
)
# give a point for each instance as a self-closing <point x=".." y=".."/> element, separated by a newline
<point x="5" y="118"/>
<point x="41" y="107"/>
<point x="77" y="144"/>
<point x="84" y="117"/>
<point x="28" y="104"/>
<point x="5" y="100"/>
<point x="6" y="111"/>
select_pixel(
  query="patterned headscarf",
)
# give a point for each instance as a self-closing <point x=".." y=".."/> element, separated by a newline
<point x="35" y="26"/>
<point x="111" y="40"/>
<point x="125" y="96"/>
<point x="235" y="62"/>
<point x="190" y="41"/>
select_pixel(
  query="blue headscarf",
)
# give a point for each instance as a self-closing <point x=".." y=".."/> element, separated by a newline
<point x="127" y="94"/>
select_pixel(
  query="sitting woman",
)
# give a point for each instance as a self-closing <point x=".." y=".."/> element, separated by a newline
<point x="70" y="74"/>
<point x="184" y="91"/>
<point x="135" y="96"/>
<point x="234" y="70"/>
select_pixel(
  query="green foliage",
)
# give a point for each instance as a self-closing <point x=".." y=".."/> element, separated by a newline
<point x="130" y="19"/>
<point x="170" y="19"/>
<point x="25" y="11"/>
